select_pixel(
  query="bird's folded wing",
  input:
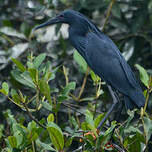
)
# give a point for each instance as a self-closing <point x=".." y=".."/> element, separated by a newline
<point x="105" y="59"/>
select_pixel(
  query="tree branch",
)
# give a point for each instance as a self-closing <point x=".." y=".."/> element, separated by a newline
<point x="31" y="116"/>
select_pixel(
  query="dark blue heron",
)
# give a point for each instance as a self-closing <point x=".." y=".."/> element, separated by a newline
<point x="102" y="56"/>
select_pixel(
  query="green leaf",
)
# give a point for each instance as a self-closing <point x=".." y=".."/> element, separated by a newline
<point x="147" y="127"/>
<point x="80" y="61"/>
<point x="15" y="96"/>
<point x="105" y="137"/>
<point x="132" y="129"/>
<point x="32" y="136"/>
<point x="69" y="142"/>
<point x="84" y="126"/>
<point x="110" y="130"/>
<point x="39" y="59"/>
<point x="19" y="138"/>
<point x="69" y="86"/>
<point x="19" y="65"/>
<point x="131" y="116"/>
<point x="143" y="75"/>
<point x="98" y="119"/>
<point x="137" y="145"/>
<point x="45" y="89"/>
<point x="31" y="125"/>
<point x="74" y="122"/>
<point x="62" y="98"/>
<point x="47" y="106"/>
<point x="45" y="146"/>
<point x="12" y="141"/>
<point x="30" y="65"/>
<point x="5" y="89"/>
<point x="90" y="121"/>
<point x="23" y="78"/>
<point x="89" y="117"/>
<point x="94" y="77"/>
<point x="50" y="118"/>
<point x="33" y="74"/>
<point x="1" y="130"/>
<point x="56" y="136"/>
<point x="19" y="132"/>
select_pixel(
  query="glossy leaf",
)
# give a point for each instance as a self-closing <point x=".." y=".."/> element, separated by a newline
<point x="69" y="142"/>
<point x="34" y="74"/>
<point x="19" y="64"/>
<point x="5" y="88"/>
<point x="15" y="96"/>
<point x="94" y="77"/>
<point x="98" y="119"/>
<point x="19" y="137"/>
<point x="39" y="59"/>
<point x="68" y="87"/>
<point x="143" y="75"/>
<point x="47" y="105"/>
<point x="23" y="78"/>
<point x="50" y="118"/>
<point x="56" y="136"/>
<point x="80" y="61"/>
<point x="148" y="127"/>
<point x="45" y="89"/>
<point x="12" y="141"/>
<point x="45" y="146"/>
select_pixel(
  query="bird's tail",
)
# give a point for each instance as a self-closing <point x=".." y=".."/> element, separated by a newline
<point x="135" y="100"/>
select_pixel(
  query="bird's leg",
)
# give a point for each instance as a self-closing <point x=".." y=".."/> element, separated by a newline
<point x="115" y="101"/>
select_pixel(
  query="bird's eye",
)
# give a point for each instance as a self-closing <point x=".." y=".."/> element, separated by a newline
<point x="61" y="16"/>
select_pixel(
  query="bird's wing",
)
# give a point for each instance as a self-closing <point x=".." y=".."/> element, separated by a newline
<point x="130" y="75"/>
<point x="105" y="59"/>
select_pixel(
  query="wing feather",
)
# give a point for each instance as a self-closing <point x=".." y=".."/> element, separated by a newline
<point x="105" y="59"/>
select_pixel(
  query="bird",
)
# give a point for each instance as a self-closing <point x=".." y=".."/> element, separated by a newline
<point x="102" y="56"/>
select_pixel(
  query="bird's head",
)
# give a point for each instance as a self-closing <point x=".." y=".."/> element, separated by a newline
<point x="70" y="17"/>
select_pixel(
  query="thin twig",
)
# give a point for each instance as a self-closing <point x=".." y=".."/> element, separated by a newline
<point x="66" y="75"/>
<point x="33" y="146"/>
<point x="78" y="107"/>
<point x="56" y="112"/>
<point x="31" y="116"/>
<point x="84" y="82"/>
<point x="67" y="105"/>
<point x="108" y="14"/>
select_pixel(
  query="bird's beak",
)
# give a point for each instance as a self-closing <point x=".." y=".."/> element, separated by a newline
<point x="47" y="23"/>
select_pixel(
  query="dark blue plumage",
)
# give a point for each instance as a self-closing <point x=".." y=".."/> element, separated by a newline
<point x="102" y="55"/>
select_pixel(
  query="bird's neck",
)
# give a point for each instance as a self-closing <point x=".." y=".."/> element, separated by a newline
<point x="75" y="34"/>
<point x="78" y="40"/>
<point x="79" y="27"/>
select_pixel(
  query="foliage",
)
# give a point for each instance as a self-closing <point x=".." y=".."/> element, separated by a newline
<point x="35" y="75"/>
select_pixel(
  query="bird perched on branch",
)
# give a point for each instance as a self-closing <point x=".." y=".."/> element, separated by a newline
<point x="102" y="56"/>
